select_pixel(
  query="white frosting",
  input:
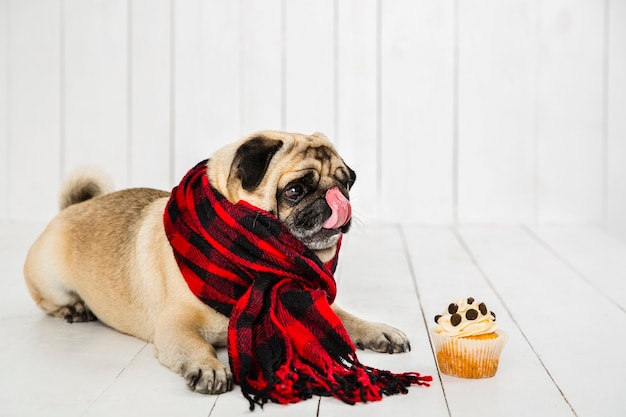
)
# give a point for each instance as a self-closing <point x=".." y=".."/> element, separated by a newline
<point x="458" y="319"/>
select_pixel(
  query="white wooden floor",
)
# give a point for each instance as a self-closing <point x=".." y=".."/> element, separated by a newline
<point x="560" y="294"/>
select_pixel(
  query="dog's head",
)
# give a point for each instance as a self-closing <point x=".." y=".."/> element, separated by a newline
<point x="300" y="179"/>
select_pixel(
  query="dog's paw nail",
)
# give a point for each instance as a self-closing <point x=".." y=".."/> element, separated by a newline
<point x="209" y="380"/>
<point x="192" y="379"/>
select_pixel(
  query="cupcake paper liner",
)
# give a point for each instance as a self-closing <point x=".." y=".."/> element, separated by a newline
<point x="467" y="357"/>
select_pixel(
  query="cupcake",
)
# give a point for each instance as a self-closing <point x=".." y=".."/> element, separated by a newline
<point x="467" y="340"/>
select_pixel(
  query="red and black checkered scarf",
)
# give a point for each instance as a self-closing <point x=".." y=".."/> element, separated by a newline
<point x="285" y="343"/>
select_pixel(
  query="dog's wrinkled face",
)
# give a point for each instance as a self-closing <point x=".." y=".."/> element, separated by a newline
<point x="312" y="197"/>
<point x="300" y="179"/>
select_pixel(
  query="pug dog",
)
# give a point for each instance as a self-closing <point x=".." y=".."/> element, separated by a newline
<point x="106" y="255"/>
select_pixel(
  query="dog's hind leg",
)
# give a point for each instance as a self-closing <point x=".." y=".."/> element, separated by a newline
<point x="45" y="283"/>
<point x="73" y="312"/>
<point x="58" y="301"/>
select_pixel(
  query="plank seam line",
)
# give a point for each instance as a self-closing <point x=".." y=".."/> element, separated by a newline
<point x="407" y="255"/>
<point x="544" y="244"/>
<point x="606" y="64"/>
<point x="130" y="63"/>
<point x="62" y="94"/>
<point x="172" y="94"/>
<point x="124" y="368"/>
<point x="319" y="405"/>
<point x="482" y="272"/>
<point x="217" y="398"/>
<point x="455" y="114"/>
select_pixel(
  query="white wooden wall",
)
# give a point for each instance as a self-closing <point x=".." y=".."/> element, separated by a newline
<point x="485" y="111"/>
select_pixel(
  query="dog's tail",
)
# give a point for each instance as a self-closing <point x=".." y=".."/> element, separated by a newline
<point x="84" y="184"/>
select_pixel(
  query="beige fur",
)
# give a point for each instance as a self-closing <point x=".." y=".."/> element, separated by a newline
<point x="108" y="257"/>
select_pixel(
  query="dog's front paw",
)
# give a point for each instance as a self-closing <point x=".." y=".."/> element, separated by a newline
<point x="213" y="378"/>
<point x="383" y="338"/>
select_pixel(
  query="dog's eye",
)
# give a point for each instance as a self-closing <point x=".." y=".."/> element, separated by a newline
<point x="294" y="192"/>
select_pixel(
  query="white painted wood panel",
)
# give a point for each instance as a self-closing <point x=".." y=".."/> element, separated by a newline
<point x="445" y="271"/>
<point x="525" y="126"/>
<point x="95" y="63"/>
<point x="495" y="111"/>
<point x="261" y="66"/>
<point x="34" y="113"/>
<point x="189" y="129"/>
<point x="616" y="119"/>
<point x="15" y="239"/>
<point x="417" y="123"/>
<point x="570" y="325"/>
<point x="150" y="93"/>
<point x="206" y="80"/>
<point x="569" y="115"/>
<point x="309" y="66"/>
<point x="4" y="107"/>
<point x="358" y="100"/>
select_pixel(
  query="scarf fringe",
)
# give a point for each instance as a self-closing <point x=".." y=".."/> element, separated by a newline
<point x="359" y="383"/>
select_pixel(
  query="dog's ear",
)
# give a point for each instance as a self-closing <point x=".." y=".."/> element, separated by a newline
<point x="351" y="176"/>
<point x="252" y="159"/>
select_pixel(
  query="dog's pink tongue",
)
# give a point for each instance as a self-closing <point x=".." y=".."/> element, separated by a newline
<point x="339" y="204"/>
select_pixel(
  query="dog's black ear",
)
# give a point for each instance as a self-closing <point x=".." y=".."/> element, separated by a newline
<point x="351" y="177"/>
<point x="252" y="159"/>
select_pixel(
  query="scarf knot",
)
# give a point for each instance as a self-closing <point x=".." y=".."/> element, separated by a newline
<point x="285" y="343"/>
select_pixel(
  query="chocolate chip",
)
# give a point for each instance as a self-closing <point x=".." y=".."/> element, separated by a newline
<point x="455" y="319"/>
<point x="437" y="317"/>
<point x="493" y="314"/>
<point x="453" y="308"/>
<point x="483" y="308"/>
<point x="471" y="314"/>
<point x="470" y="300"/>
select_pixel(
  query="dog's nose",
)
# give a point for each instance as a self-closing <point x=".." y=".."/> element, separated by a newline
<point x="341" y="209"/>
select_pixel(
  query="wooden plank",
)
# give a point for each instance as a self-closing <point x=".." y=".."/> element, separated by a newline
<point x="4" y="105"/>
<point x="189" y="134"/>
<point x="159" y="391"/>
<point x="568" y="322"/>
<point x="150" y="107"/>
<point x="598" y="257"/>
<point x="60" y="357"/>
<point x="261" y="103"/>
<point x="417" y="122"/>
<point x="89" y="369"/>
<point x="206" y="96"/>
<point x="495" y="116"/>
<point x="570" y="99"/>
<point x="34" y="107"/>
<point x="444" y="271"/>
<point x="309" y="66"/>
<point x="96" y="86"/>
<point x="616" y="129"/>
<point x="357" y="95"/>
<point x="375" y="283"/>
